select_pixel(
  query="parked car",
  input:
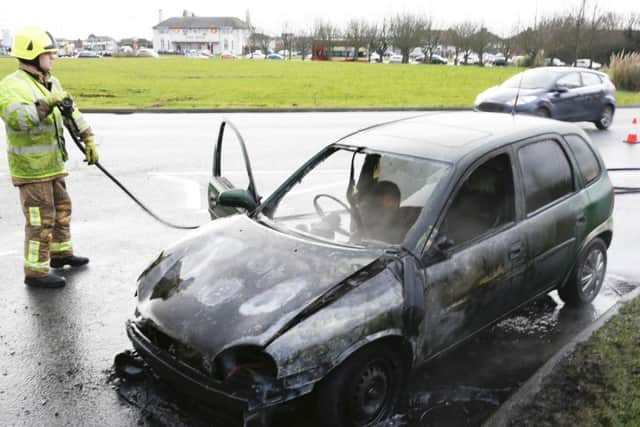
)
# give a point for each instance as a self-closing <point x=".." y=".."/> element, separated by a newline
<point x="562" y="93"/>
<point x="587" y="63"/>
<point x="499" y="59"/>
<point x="437" y="59"/>
<point x="228" y="55"/>
<point x="88" y="54"/>
<point x="384" y="250"/>
<point x="554" y="62"/>
<point x="196" y="54"/>
<point x="395" y="59"/>
<point x="275" y="56"/>
<point x="147" y="53"/>
<point x="472" y="58"/>
<point x="416" y="59"/>
<point x="255" y="55"/>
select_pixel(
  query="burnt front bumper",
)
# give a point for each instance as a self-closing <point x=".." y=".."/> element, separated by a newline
<point x="190" y="380"/>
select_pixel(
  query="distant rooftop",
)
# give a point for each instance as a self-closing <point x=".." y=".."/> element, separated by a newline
<point x="198" y="22"/>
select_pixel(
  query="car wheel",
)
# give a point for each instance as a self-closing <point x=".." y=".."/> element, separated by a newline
<point x="363" y="390"/>
<point x="542" y="112"/>
<point x="607" y="118"/>
<point x="587" y="276"/>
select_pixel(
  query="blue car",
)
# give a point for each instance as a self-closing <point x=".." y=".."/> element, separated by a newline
<point x="562" y="93"/>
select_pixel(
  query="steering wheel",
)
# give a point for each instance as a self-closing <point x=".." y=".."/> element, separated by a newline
<point x="322" y="215"/>
<point x="319" y="210"/>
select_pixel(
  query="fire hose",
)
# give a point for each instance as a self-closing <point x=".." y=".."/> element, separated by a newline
<point x="66" y="108"/>
<point x="625" y="190"/>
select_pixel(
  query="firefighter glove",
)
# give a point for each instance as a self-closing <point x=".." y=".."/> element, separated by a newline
<point x="90" y="151"/>
<point x="55" y="98"/>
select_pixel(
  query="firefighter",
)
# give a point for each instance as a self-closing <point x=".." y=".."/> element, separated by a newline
<point x="36" y="154"/>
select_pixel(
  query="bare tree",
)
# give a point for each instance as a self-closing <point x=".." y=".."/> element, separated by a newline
<point x="302" y="42"/>
<point x="460" y="36"/>
<point x="407" y="32"/>
<point x="356" y="34"/>
<point x="287" y="39"/>
<point x="480" y="41"/>
<point x="261" y="41"/>
<point x="430" y="39"/>
<point x="378" y="38"/>
<point x="326" y="33"/>
<point x="579" y="22"/>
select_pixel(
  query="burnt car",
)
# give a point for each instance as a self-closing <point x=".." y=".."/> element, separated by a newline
<point x="562" y="93"/>
<point x="383" y="251"/>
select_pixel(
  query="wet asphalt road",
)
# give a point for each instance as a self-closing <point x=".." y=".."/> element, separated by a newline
<point x="57" y="346"/>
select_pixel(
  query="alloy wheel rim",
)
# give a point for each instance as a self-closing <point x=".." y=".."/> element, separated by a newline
<point x="606" y="117"/>
<point x="592" y="273"/>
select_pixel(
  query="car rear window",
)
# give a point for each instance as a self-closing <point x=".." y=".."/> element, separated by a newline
<point x="546" y="172"/>
<point x="586" y="159"/>
<point x="590" y="79"/>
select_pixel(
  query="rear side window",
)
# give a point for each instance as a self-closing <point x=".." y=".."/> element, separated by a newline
<point x="590" y="79"/>
<point x="570" y="81"/>
<point x="546" y="173"/>
<point x="586" y="159"/>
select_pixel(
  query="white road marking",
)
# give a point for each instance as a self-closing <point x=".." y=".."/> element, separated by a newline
<point x="8" y="253"/>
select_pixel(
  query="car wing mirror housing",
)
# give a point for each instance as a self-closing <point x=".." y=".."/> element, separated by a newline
<point x="237" y="198"/>
<point x="560" y="89"/>
<point x="439" y="251"/>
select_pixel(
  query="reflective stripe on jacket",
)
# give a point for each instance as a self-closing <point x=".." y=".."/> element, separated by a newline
<point x="32" y="142"/>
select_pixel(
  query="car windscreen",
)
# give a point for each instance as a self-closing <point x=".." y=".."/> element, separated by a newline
<point x="532" y="79"/>
<point x="357" y="197"/>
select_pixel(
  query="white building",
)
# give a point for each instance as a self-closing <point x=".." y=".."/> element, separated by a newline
<point x="100" y="44"/>
<point x="214" y="35"/>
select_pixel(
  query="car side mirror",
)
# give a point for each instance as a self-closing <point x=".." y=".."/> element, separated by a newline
<point x="237" y="198"/>
<point x="439" y="251"/>
<point x="560" y="89"/>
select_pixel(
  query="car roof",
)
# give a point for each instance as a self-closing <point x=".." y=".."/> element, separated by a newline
<point x="450" y="136"/>
<point x="564" y="70"/>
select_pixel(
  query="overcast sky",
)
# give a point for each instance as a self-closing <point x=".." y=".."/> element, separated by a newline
<point x="127" y="18"/>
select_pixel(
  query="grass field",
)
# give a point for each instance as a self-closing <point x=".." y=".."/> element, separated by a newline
<point x="178" y="82"/>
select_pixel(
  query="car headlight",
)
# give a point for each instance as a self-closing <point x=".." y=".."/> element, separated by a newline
<point x="524" y="99"/>
<point x="245" y="364"/>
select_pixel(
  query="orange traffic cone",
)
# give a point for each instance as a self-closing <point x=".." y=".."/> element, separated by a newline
<point x="632" y="138"/>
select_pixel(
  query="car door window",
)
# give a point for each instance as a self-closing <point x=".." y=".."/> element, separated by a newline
<point x="546" y="173"/>
<point x="233" y="167"/>
<point x="569" y="81"/>
<point x="585" y="158"/>
<point x="590" y="79"/>
<point x="484" y="202"/>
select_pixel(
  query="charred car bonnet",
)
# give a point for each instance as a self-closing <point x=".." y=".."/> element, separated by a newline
<point x="387" y="248"/>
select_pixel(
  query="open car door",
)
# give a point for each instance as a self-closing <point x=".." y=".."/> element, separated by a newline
<point x="231" y="175"/>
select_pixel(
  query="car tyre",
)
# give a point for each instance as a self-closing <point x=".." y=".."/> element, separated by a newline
<point x="606" y="119"/>
<point x="363" y="390"/>
<point x="587" y="276"/>
<point x="543" y="112"/>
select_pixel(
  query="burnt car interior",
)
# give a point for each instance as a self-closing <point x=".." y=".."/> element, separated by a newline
<point x="359" y="197"/>
<point x="485" y="201"/>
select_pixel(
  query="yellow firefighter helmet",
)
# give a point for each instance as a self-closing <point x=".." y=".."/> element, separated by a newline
<point x="29" y="43"/>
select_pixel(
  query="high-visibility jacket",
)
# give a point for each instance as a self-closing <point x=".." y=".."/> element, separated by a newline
<point x="34" y="145"/>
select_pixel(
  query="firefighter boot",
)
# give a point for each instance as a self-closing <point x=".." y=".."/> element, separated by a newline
<point x="70" y="260"/>
<point x="48" y="281"/>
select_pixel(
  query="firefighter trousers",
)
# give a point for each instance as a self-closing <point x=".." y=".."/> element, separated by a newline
<point x="47" y="210"/>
